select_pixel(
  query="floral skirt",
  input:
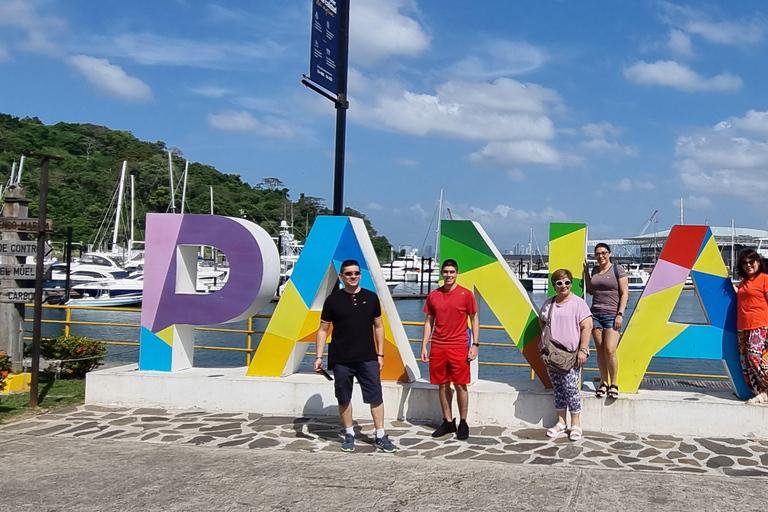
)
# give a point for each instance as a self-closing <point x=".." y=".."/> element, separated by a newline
<point x="753" y="349"/>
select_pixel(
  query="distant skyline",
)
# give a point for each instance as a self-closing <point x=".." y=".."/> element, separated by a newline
<point x="524" y="112"/>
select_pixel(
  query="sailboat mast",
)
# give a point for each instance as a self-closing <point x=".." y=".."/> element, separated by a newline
<point x="132" y="213"/>
<point x="119" y="206"/>
<point x="437" y="231"/>
<point x="184" y="187"/>
<point x="211" y="187"/>
<point x="13" y="173"/>
<point x="170" y="174"/>
<point x="21" y="168"/>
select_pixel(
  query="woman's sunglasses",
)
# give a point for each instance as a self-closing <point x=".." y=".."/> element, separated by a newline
<point x="560" y="284"/>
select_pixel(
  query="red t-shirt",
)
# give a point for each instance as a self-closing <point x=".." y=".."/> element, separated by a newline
<point x="450" y="310"/>
<point x="752" y="307"/>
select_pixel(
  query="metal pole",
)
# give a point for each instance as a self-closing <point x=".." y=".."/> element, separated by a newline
<point x="68" y="258"/>
<point x="341" y="109"/>
<point x="36" y="326"/>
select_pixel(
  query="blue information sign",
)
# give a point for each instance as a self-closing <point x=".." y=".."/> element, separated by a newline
<point x="325" y="44"/>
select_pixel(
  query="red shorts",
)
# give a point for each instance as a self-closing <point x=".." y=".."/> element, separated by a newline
<point x="448" y="363"/>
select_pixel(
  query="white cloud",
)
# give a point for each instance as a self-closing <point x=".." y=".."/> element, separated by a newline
<point x="153" y="50"/>
<point x="515" y="175"/>
<point x="510" y="116"/>
<point x="4" y="55"/>
<point x="378" y="30"/>
<point x="601" y="130"/>
<point x="374" y="206"/>
<point x="23" y="15"/>
<point x="672" y="74"/>
<point x="625" y="185"/>
<point x="726" y="159"/>
<point x="407" y="162"/>
<point x="210" y="91"/>
<point x="680" y="43"/>
<point x="501" y="59"/>
<point x="503" y="221"/>
<point x="111" y="79"/>
<point x="692" y="21"/>
<point x="694" y="203"/>
<point x="243" y="121"/>
<point x="602" y="146"/>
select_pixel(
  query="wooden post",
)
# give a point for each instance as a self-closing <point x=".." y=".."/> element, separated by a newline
<point x="12" y="315"/>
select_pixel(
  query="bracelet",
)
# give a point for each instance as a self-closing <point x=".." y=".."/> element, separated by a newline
<point x="475" y="344"/>
<point x="319" y="357"/>
<point x="619" y="314"/>
<point x="380" y="355"/>
<point x="584" y="351"/>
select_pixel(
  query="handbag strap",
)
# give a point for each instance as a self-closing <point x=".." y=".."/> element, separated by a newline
<point x="549" y="314"/>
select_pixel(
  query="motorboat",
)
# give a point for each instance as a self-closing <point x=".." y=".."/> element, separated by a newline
<point x="105" y="300"/>
<point x="637" y="277"/>
<point x="536" y="280"/>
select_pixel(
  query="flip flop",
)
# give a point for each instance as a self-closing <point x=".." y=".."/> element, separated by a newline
<point x="760" y="398"/>
<point x="576" y="433"/>
<point x="556" y="431"/>
<point x="602" y="390"/>
<point x="613" y="391"/>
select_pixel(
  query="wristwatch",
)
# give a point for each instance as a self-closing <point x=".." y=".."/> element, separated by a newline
<point x="619" y="314"/>
<point x="475" y="344"/>
<point x="584" y="351"/>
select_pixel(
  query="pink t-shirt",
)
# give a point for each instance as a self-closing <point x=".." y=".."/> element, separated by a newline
<point x="566" y="319"/>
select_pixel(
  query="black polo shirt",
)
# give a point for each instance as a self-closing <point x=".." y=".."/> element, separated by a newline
<point x="352" y="316"/>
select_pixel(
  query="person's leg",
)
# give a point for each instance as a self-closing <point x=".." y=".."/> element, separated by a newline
<point x="573" y="398"/>
<point x="561" y="404"/>
<point x="345" y="413"/>
<point x="342" y="383"/>
<point x="597" y="335"/>
<point x="462" y="398"/>
<point x="610" y="362"/>
<point x="445" y="394"/>
<point x="377" y="412"/>
<point x="755" y="344"/>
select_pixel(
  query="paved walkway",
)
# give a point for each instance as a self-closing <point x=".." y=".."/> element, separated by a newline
<point x="529" y="447"/>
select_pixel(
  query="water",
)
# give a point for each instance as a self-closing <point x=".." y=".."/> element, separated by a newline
<point x="688" y="310"/>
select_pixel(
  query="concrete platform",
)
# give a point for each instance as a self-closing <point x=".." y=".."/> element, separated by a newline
<point x="708" y="412"/>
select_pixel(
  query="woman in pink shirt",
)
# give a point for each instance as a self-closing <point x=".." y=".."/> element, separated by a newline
<point x="570" y="324"/>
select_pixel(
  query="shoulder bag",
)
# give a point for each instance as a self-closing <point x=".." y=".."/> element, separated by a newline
<point x="554" y="355"/>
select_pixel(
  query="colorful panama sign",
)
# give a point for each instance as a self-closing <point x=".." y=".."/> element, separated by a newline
<point x="172" y="308"/>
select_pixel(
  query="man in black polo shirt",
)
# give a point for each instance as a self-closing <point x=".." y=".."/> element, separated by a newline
<point x="355" y="314"/>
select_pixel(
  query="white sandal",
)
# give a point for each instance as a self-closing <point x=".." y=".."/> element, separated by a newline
<point x="556" y="431"/>
<point x="576" y="433"/>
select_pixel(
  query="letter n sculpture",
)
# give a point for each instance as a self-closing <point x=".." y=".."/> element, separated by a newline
<point x="689" y="250"/>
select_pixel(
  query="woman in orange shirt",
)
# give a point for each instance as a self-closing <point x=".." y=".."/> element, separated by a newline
<point x="752" y="323"/>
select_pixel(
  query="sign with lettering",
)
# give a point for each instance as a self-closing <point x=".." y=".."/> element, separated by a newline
<point x="23" y="225"/>
<point x="324" y="54"/>
<point x="18" y="271"/>
<point x="24" y="295"/>
<point x="18" y="248"/>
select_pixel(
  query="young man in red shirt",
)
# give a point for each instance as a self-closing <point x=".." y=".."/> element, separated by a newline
<point x="447" y="310"/>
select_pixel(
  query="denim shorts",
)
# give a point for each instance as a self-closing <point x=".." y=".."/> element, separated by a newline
<point x="368" y="376"/>
<point x="602" y="321"/>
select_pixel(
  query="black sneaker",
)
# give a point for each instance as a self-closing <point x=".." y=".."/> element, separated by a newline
<point x="349" y="443"/>
<point x="447" y="427"/>
<point x="463" y="432"/>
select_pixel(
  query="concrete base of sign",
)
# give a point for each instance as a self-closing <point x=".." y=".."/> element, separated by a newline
<point x="512" y="404"/>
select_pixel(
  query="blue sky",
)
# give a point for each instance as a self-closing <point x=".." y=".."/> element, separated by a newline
<point x="524" y="112"/>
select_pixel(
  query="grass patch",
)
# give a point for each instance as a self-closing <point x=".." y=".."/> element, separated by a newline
<point x="54" y="394"/>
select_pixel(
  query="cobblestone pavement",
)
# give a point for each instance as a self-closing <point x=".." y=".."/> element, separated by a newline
<point x="621" y="451"/>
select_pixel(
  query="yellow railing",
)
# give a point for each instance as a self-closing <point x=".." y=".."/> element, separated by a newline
<point x="249" y="332"/>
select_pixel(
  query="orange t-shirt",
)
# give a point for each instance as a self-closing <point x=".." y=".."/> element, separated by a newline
<point x="752" y="309"/>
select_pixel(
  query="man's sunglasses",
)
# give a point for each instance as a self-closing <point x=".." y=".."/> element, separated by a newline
<point x="352" y="273"/>
<point x="560" y="284"/>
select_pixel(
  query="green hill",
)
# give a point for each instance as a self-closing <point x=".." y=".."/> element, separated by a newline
<point x="82" y="186"/>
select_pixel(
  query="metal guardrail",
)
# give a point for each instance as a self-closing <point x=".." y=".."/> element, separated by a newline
<point x="250" y="332"/>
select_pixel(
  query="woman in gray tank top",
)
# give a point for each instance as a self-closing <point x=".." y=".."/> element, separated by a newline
<point x="609" y="287"/>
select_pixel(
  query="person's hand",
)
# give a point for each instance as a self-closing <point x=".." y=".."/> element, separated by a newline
<point x="381" y="363"/>
<point x="618" y="322"/>
<point x="581" y="358"/>
<point x="586" y="267"/>
<point x="472" y="353"/>
<point x="424" y="355"/>
<point x="318" y="363"/>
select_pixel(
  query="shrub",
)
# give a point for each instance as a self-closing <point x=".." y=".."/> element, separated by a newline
<point x="5" y="369"/>
<point x="78" y="354"/>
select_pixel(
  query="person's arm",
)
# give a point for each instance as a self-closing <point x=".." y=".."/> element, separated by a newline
<point x="378" y="335"/>
<point x="586" y="331"/>
<point x="429" y="323"/>
<point x="542" y="317"/>
<point x="474" y="318"/>
<point x="623" y="298"/>
<point x="320" y="337"/>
